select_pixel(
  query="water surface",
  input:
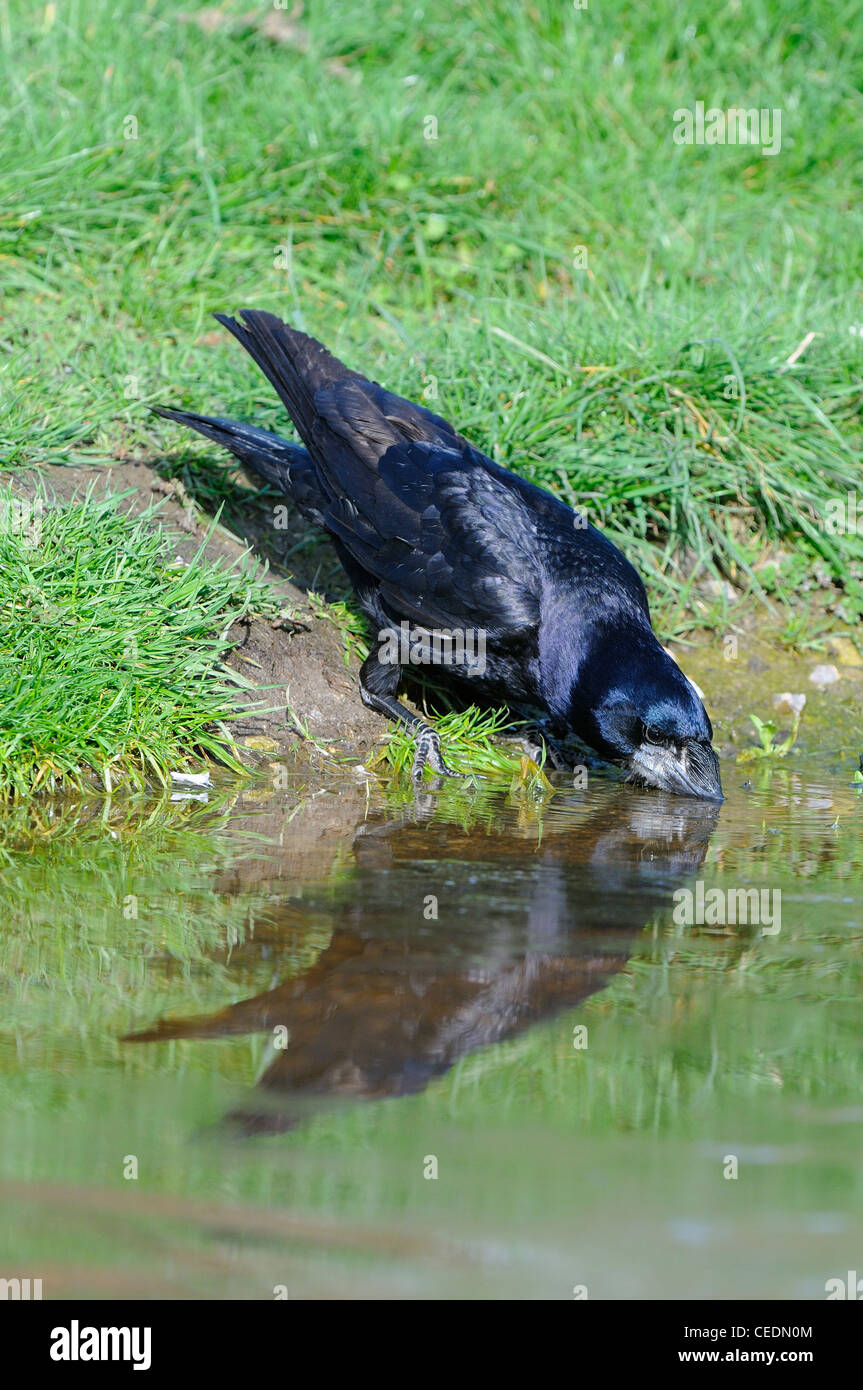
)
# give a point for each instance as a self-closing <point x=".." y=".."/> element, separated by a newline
<point x="239" y="1038"/>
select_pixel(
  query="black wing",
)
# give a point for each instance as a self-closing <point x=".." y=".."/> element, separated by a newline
<point x="411" y="503"/>
<point x="450" y="537"/>
<point x="448" y="544"/>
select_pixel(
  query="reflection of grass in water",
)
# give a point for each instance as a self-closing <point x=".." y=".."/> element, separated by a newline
<point x="113" y="912"/>
<point x="687" y="1029"/>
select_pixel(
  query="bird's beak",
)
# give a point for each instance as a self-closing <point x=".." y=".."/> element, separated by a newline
<point x="690" y="770"/>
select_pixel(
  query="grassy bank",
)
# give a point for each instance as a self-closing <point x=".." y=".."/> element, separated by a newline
<point x="482" y="205"/>
<point x="111" y="650"/>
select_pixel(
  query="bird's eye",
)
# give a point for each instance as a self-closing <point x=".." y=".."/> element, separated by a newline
<point x="652" y="735"/>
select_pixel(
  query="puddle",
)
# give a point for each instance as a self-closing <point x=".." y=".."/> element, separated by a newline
<point x="329" y="1044"/>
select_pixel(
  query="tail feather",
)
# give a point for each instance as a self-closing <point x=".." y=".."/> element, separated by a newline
<point x="296" y="365"/>
<point x="285" y="465"/>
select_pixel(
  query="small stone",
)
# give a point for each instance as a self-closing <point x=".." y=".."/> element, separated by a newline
<point x="718" y="588"/>
<point x="822" y="676"/>
<point x="261" y="744"/>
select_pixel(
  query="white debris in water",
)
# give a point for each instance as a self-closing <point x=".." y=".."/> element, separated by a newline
<point x="787" y="703"/>
<point x="191" y="779"/>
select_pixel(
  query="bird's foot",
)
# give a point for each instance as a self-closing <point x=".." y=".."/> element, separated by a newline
<point x="428" y="754"/>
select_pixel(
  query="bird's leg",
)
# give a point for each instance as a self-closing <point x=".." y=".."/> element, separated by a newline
<point x="535" y="740"/>
<point x="378" y="684"/>
<point x="559" y="760"/>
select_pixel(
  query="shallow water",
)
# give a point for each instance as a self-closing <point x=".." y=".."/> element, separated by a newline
<point x="239" y="1038"/>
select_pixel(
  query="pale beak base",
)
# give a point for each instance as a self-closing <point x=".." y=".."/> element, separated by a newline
<point x="689" y="770"/>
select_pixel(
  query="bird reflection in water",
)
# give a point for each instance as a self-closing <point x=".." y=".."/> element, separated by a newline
<point x="524" y="932"/>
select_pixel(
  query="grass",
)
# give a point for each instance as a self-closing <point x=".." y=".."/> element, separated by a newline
<point x="470" y="740"/>
<point x="616" y="316"/>
<point x="111" y="650"/>
<point x="767" y="746"/>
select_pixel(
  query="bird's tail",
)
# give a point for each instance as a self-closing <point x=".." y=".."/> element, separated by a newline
<point x="297" y="366"/>
<point x="287" y="466"/>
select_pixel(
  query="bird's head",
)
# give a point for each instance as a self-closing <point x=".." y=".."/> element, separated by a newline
<point x="639" y="710"/>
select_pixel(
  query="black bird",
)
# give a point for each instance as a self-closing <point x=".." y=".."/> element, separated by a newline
<point x="435" y="535"/>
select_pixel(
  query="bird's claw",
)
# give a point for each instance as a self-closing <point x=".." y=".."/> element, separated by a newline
<point x="428" y="753"/>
